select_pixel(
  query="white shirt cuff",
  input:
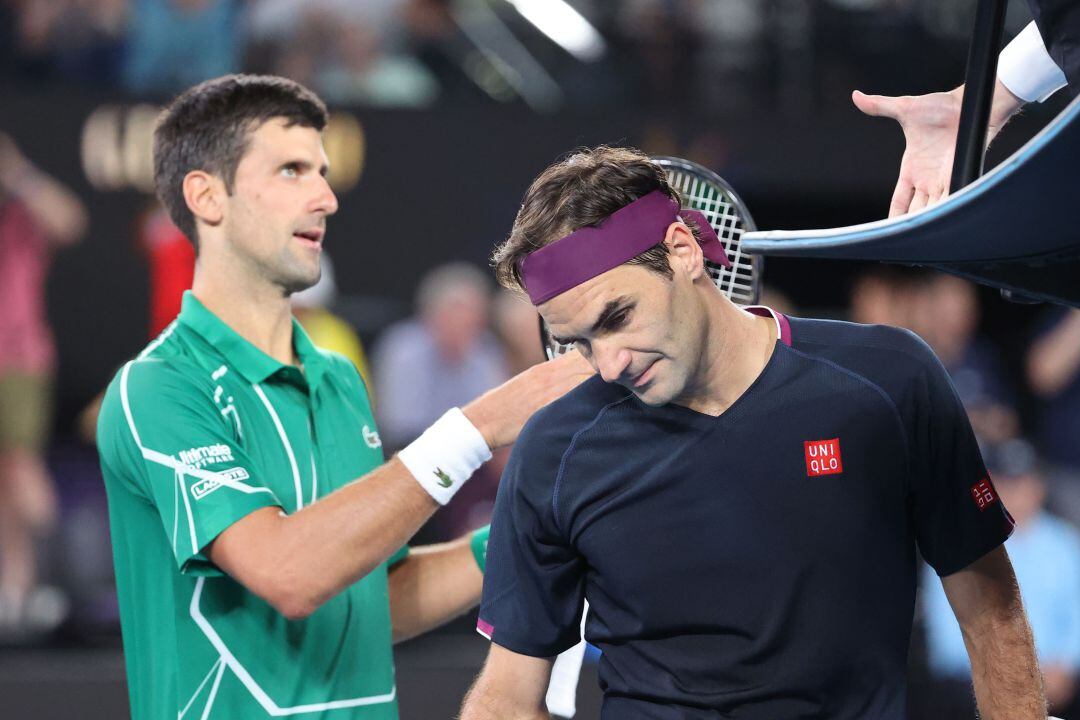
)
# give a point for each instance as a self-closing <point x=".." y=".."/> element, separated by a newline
<point x="1026" y="69"/>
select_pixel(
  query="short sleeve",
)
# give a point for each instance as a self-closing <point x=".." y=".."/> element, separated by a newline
<point x="397" y="557"/>
<point x="958" y="515"/>
<point x="534" y="579"/>
<point x="161" y="432"/>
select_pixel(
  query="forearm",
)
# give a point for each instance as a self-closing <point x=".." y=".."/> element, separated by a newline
<point x="54" y="207"/>
<point x="1004" y="669"/>
<point x="1003" y="106"/>
<point x="483" y="703"/>
<point x="1054" y="360"/>
<point x="297" y="562"/>
<point x="435" y="584"/>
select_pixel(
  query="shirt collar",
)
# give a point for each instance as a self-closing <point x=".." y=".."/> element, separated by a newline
<point x="783" y="327"/>
<point x="251" y="362"/>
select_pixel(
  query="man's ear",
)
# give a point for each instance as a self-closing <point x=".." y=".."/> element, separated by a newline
<point x="205" y="195"/>
<point x="684" y="250"/>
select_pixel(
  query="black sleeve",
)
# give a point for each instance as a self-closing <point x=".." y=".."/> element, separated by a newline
<point x="1059" y="24"/>
<point x="534" y="580"/>
<point x="958" y="516"/>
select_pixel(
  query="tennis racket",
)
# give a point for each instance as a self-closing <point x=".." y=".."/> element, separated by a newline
<point x="703" y="190"/>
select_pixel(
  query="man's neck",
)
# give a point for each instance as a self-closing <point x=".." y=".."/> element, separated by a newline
<point x="739" y="347"/>
<point x="257" y="311"/>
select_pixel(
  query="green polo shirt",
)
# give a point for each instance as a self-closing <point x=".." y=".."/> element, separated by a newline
<point x="199" y="430"/>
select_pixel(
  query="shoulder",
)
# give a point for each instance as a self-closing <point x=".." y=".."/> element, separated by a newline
<point x="552" y="430"/>
<point x="839" y="338"/>
<point x="887" y="356"/>
<point x="161" y="379"/>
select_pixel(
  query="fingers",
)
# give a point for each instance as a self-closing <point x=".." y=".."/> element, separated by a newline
<point x="901" y="199"/>
<point x="919" y="201"/>
<point x="877" y="105"/>
<point x="938" y="195"/>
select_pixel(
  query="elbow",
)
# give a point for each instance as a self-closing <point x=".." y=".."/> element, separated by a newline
<point x="293" y="597"/>
<point x="295" y="609"/>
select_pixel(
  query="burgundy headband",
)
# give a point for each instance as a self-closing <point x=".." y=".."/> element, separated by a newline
<point x="625" y="234"/>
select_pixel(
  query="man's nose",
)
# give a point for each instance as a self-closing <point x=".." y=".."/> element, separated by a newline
<point x="611" y="360"/>
<point x="326" y="201"/>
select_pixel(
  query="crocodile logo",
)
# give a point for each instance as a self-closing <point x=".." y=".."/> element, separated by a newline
<point x="444" y="479"/>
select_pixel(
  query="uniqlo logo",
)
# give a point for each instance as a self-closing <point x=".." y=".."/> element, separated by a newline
<point x="823" y="457"/>
<point x="983" y="493"/>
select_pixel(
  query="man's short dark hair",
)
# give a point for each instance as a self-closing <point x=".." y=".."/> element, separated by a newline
<point x="209" y="126"/>
<point x="579" y="191"/>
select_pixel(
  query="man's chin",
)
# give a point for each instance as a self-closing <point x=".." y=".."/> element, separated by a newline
<point x="651" y="396"/>
<point x="301" y="282"/>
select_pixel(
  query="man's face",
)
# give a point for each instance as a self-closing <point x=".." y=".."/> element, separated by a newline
<point x="276" y="216"/>
<point x="638" y="329"/>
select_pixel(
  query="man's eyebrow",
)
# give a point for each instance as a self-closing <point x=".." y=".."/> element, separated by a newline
<point x="612" y="307"/>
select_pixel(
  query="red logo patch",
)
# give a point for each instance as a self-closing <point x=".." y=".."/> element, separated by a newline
<point x="983" y="493"/>
<point x="823" y="457"/>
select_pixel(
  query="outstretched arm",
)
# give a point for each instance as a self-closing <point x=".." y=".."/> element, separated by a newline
<point x="56" y="208"/>
<point x="433" y="585"/>
<point x="930" y="123"/>
<point x="297" y="562"/>
<point x="1026" y="73"/>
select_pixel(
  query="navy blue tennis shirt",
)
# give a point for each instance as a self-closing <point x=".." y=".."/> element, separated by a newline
<point x="756" y="565"/>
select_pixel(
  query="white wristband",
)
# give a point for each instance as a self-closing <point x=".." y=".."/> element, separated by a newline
<point x="446" y="455"/>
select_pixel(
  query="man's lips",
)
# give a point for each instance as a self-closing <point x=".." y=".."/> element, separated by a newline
<point x="314" y="235"/>
<point x="646" y="375"/>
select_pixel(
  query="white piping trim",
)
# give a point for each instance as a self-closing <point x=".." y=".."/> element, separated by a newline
<point x="187" y="509"/>
<point x="198" y="690"/>
<point x="213" y="693"/>
<point x="176" y="508"/>
<point x="284" y="442"/>
<point x="127" y="405"/>
<point x="314" y="472"/>
<point x="170" y="462"/>
<point x="158" y="340"/>
<point x="271" y="708"/>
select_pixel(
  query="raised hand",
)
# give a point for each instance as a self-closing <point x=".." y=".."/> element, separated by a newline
<point x="930" y="124"/>
<point x="500" y="414"/>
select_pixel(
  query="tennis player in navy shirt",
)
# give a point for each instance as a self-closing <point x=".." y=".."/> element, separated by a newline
<point x="740" y="496"/>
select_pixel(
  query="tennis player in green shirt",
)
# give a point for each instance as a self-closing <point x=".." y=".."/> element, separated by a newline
<point x="258" y="535"/>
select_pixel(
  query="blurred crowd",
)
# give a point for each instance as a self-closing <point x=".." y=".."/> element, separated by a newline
<point x="464" y="336"/>
<point x="411" y="53"/>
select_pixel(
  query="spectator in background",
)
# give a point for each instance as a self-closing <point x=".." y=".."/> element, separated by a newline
<point x="1045" y="552"/>
<point x="72" y="39"/>
<point x="349" y="51"/>
<point x="881" y="296"/>
<point x="176" y="43"/>
<point x="517" y="326"/>
<point x="37" y="215"/>
<point x="1053" y="373"/>
<point x="944" y="311"/>
<point x="435" y="361"/>
<point x="312" y="307"/>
